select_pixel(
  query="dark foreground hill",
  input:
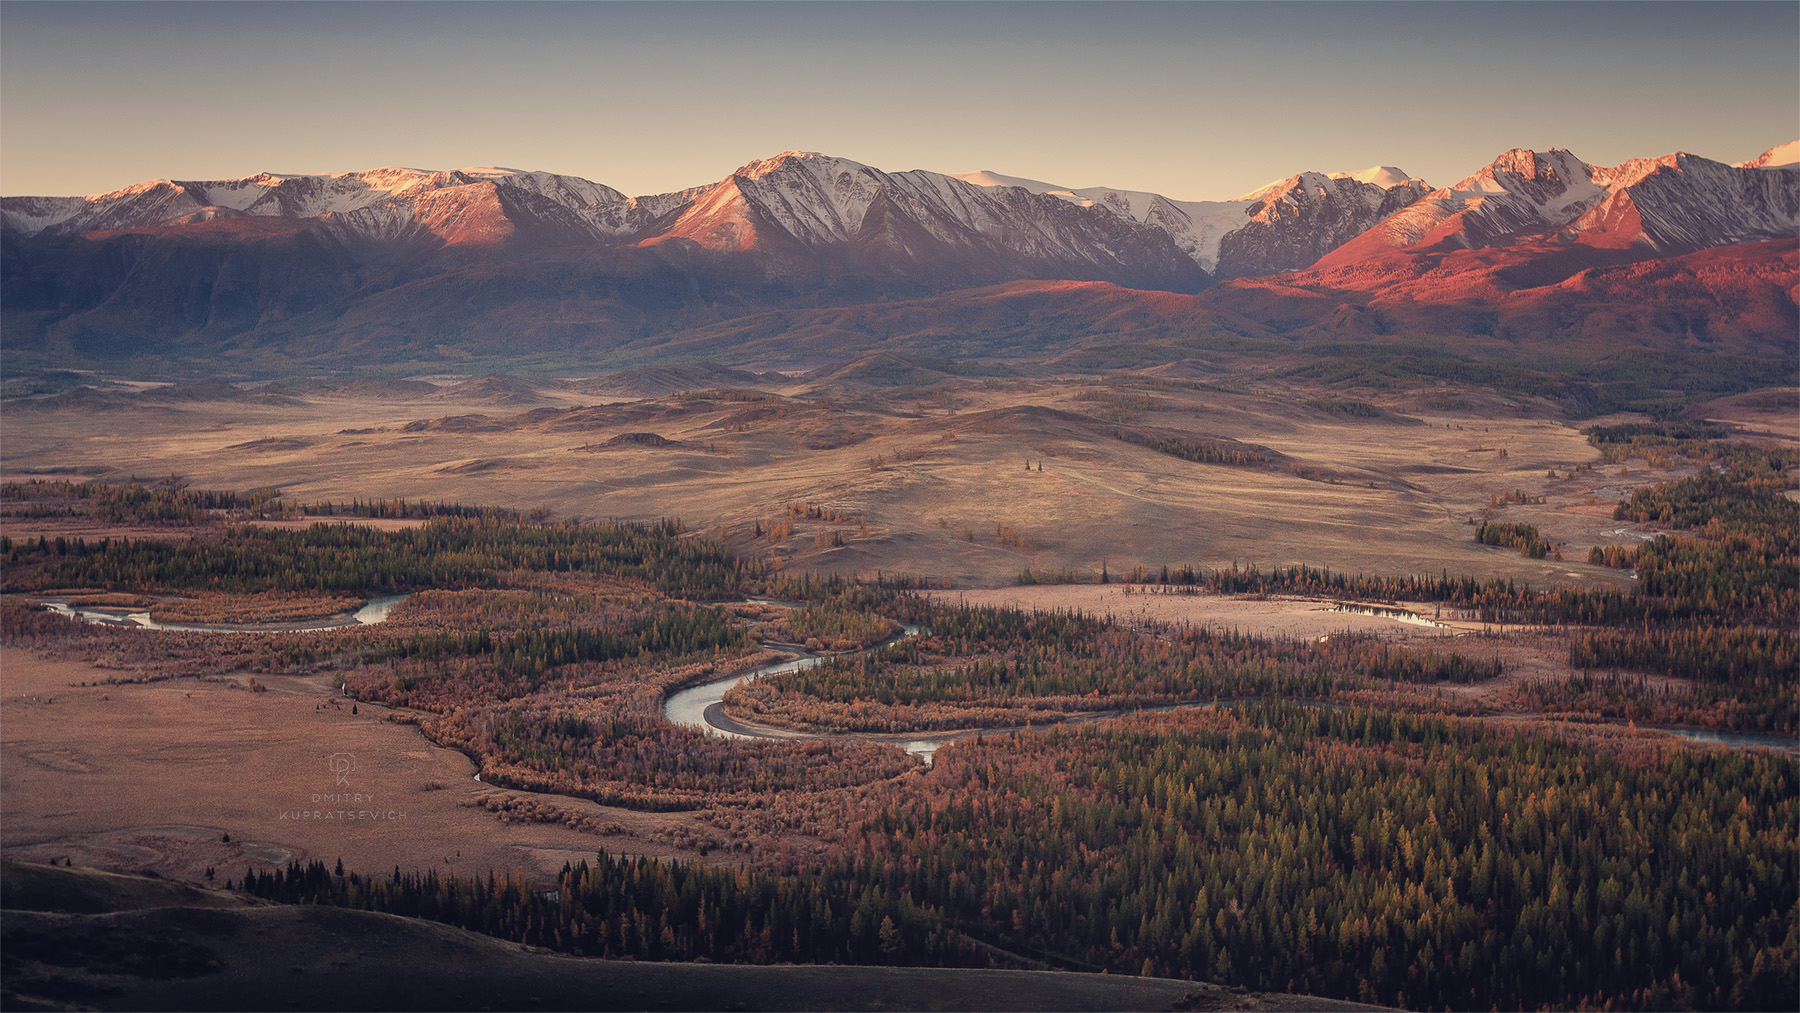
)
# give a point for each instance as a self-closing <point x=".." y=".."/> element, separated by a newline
<point x="76" y="938"/>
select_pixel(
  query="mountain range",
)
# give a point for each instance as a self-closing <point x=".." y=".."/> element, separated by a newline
<point x="390" y="261"/>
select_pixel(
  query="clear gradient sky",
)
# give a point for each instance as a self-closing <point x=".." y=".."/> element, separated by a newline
<point x="1195" y="101"/>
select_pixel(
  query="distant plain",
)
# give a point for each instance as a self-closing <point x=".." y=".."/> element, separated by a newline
<point x="934" y="478"/>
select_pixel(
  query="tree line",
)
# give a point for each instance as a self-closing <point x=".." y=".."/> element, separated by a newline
<point x="168" y="502"/>
<point x="444" y="552"/>
<point x="1201" y="451"/>
<point x="1493" y="600"/>
<point x="1355" y="854"/>
<point x="531" y="653"/>
<point x="640" y="908"/>
<point x="1511" y="535"/>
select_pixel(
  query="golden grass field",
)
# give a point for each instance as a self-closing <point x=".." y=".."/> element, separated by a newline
<point x="152" y="776"/>
<point x="936" y="473"/>
<point x="1529" y="652"/>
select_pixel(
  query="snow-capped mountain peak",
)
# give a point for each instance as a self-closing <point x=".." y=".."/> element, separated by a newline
<point x="987" y="177"/>
<point x="794" y="203"/>
<point x="1681" y="202"/>
<point x="1339" y="206"/>
<point x="1554" y="178"/>
<point x="1777" y="157"/>
<point x="806" y="212"/>
<point x="806" y="197"/>
<point x="1385" y="176"/>
<point x="1672" y="202"/>
<point x="375" y="202"/>
<point x="814" y="161"/>
<point x="1519" y="191"/>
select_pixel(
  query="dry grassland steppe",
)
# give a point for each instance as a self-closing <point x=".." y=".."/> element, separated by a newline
<point x="155" y="776"/>
<point x="934" y="479"/>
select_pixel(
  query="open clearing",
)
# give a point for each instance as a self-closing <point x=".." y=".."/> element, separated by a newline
<point x="1529" y="653"/>
<point x="1275" y="616"/>
<point x="153" y="775"/>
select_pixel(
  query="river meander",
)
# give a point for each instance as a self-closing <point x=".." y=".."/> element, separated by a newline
<point x="374" y="611"/>
<point x="703" y="706"/>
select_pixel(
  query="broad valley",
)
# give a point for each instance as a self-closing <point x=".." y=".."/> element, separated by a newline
<point x="835" y="586"/>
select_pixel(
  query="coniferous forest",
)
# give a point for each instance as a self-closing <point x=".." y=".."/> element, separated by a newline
<point x="1403" y="860"/>
<point x="1331" y="817"/>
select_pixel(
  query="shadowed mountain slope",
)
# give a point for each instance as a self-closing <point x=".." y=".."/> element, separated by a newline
<point x="805" y="258"/>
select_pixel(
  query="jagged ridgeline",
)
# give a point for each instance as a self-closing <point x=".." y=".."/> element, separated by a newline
<point x="278" y="269"/>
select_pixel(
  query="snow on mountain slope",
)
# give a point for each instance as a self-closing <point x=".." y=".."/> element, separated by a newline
<point x="813" y="214"/>
<point x="792" y="207"/>
<point x="377" y="203"/>
<point x="1196" y="226"/>
<point x="815" y="199"/>
<point x="1283" y="226"/>
<point x="29" y="216"/>
<point x="1307" y="215"/>
<point x="1675" y="202"/>
<point x="1780" y="155"/>
<point x="985" y="177"/>
<point x="797" y="204"/>
<point x="1682" y="202"/>
<point x="1521" y="191"/>
<point x="1380" y="175"/>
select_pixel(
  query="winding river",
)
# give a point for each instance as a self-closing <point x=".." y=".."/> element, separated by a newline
<point x="375" y="611"/>
<point x="703" y="706"/>
<point x="1731" y="740"/>
<point x="1399" y="615"/>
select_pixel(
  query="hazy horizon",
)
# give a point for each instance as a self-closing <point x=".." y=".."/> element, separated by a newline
<point x="648" y="98"/>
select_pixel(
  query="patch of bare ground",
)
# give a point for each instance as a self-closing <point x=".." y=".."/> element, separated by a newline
<point x="155" y="776"/>
<point x="1274" y="616"/>
<point x="1770" y="413"/>
<point x="1529" y="653"/>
